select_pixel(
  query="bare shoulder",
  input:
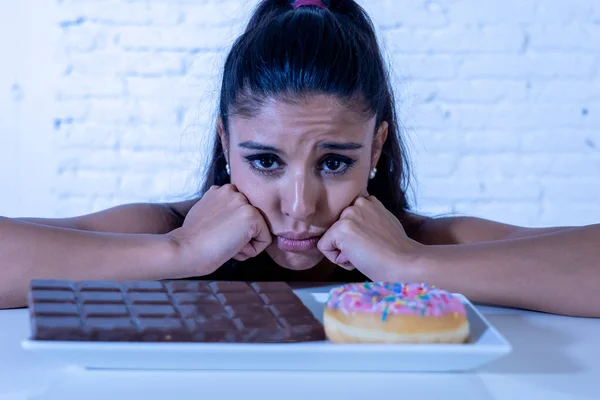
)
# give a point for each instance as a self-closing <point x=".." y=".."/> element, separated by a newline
<point x="449" y="230"/>
<point x="135" y="218"/>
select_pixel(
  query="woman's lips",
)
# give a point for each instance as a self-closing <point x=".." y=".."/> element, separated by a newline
<point x="297" y="245"/>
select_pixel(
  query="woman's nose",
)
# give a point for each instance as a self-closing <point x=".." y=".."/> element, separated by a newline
<point x="299" y="200"/>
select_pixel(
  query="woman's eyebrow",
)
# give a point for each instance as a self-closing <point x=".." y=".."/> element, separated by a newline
<point x="252" y="145"/>
<point x="340" y="146"/>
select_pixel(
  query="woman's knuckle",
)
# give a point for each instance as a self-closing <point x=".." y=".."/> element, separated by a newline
<point x="347" y="226"/>
<point x="361" y="201"/>
<point x="248" y="211"/>
<point x="349" y="212"/>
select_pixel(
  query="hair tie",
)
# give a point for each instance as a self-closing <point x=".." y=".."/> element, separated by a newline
<point x="303" y="3"/>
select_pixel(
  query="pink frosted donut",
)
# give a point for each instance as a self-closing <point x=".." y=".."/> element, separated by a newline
<point x="386" y="312"/>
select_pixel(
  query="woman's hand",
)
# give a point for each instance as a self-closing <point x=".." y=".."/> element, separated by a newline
<point x="371" y="239"/>
<point x="222" y="225"/>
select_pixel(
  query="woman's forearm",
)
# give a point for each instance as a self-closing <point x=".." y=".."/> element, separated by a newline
<point x="557" y="272"/>
<point x="30" y="251"/>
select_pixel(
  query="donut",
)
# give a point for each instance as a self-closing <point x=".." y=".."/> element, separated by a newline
<point x="387" y="312"/>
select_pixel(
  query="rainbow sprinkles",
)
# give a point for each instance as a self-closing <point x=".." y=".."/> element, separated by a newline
<point x="394" y="298"/>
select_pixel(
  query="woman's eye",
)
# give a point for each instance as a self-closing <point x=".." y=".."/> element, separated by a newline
<point x="336" y="165"/>
<point x="266" y="162"/>
<point x="333" y="164"/>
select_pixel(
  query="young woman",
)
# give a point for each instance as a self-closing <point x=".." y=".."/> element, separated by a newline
<point x="307" y="183"/>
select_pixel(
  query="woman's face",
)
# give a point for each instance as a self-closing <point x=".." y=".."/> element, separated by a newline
<point x="301" y="165"/>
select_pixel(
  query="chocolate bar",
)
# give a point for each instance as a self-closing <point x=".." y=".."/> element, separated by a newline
<point x="170" y="311"/>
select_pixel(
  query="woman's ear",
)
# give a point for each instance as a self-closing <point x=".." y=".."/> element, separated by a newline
<point x="223" y="137"/>
<point x="378" y="141"/>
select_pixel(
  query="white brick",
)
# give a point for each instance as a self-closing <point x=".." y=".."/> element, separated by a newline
<point x="508" y="12"/>
<point x="569" y="165"/>
<point x="435" y="141"/>
<point x="492" y="141"/>
<point x="579" y="141"/>
<point x="119" y="63"/>
<point x="568" y="213"/>
<point x="84" y="183"/>
<point x="594" y="14"/>
<point x="115" y="160"/>
<point x="528" y="166"/>
<point x="503" y="165"/>
<point x="180" y="38"/>
<point x="73" y="110"/>
<point x="510" y="190"/>
<point x="407" y="13"/>
<point x="154" y="64"/>
<point x="155" y="114"/>
<point x="470" y="91"/>
<point x="219" y="13"/>
<point x="567" y="11"/>
<point x="86" y="38"/>
<point x="567" y="38"/>
<point x="78" y="86"/>
<point x="91" y="136"/>
<point x="517" y="66"/>
<point x="205" y="65"/>
<point x="182" y="2"/>
<point x="134" y="137"/>
<point x="89" y="159"/>
<point x="145" y="137"/>
<point x="73" y="2"/>
<point x="118" y="12"/>
<point x="148" y="160"/>
<point x="426" y="66"/>
<point x="113" y="111"/>
<point x="107" y="64"/>
<point x="573" y="189"/>
<point x="520" y="116"/>
<point x="435" y="164"/>
<point x="429" y="116"/>
<point x="161" y="182"/>
<point x="173" y="87"/>
<point x="565" y="91"/>
<point x="481" y="189"/>
<point x="456" y="39"/>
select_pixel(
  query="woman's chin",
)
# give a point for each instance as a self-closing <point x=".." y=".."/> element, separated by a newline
<point x="300" y="261"/>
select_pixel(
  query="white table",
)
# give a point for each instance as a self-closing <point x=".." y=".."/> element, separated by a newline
<point x="553" y="358"/>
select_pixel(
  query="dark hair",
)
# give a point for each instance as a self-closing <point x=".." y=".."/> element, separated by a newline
<point x="286" y="53"/>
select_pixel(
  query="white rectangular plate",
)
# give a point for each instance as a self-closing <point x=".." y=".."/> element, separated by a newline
<point x="486" y="344"/>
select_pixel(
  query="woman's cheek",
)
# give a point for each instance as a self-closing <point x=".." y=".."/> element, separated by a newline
<point x="341" y="198"/>
<point x="262" y="198"/>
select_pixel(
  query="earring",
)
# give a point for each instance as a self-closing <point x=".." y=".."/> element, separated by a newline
<point x="227" y="169"/>
<point x="373" y="173"/>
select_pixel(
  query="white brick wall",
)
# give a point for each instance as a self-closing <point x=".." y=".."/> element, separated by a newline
<point x="500" y="100"/>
